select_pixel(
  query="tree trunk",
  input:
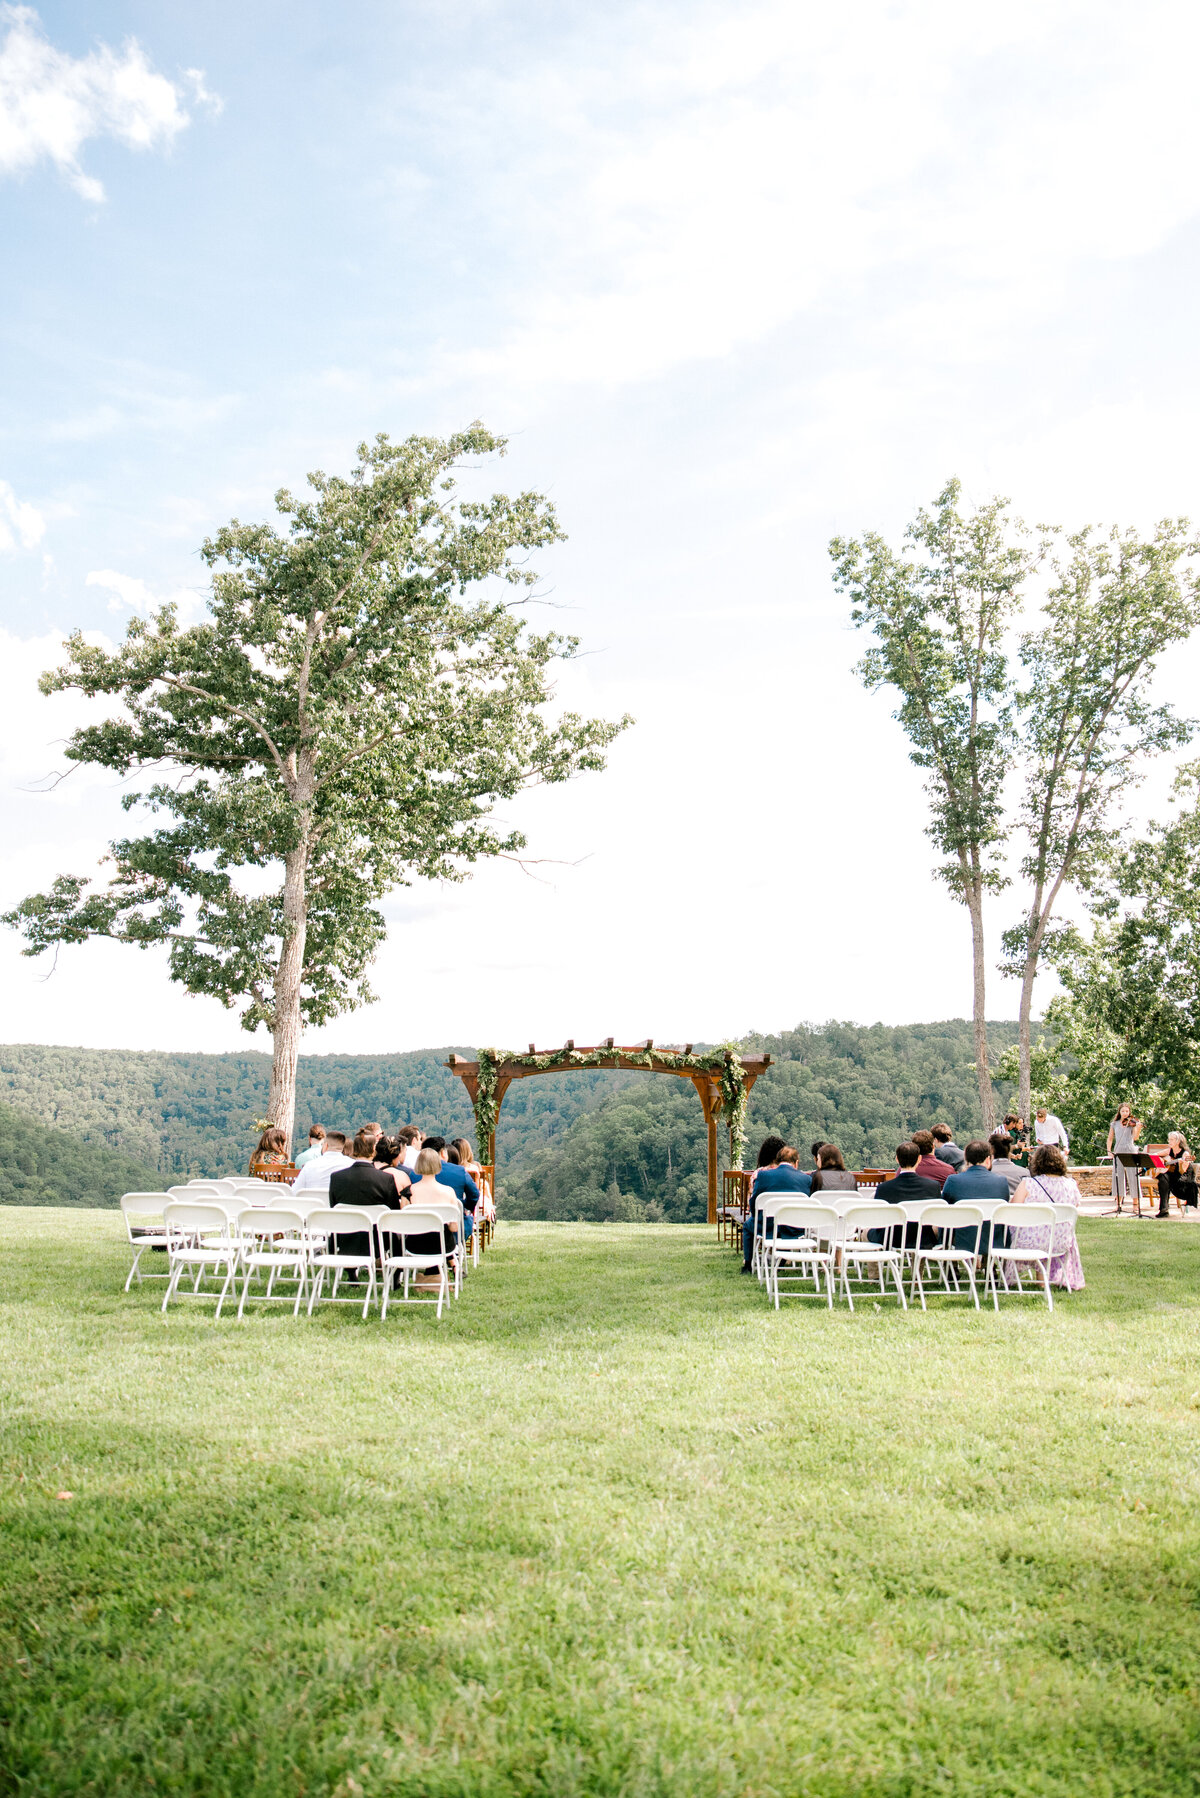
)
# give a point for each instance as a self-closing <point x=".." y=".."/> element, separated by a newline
<point x="1024" y="1094"/>
<point x="983" y="1068"/>
<point x="281" y="1106"/>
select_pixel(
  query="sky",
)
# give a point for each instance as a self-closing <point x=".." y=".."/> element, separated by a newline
<point x="732" y="279"/>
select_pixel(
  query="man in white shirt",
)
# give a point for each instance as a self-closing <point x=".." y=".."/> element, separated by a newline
<point x="412" y="1139"/>
<point x="1048" y="1128"/>
<point x="314" y="1176"/>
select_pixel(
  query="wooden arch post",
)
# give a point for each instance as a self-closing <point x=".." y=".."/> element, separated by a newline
<point x="641" y="1058"/>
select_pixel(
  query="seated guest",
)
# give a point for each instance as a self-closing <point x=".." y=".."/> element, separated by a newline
<point x="831" y="1174"/>
<point x="314" y="1176"/>
<point x="815" y="1152"/>
<point x="1178" y="1175"/>
<point x="410" y="1136"/>
<point x="271" y="1151"/>
<point x="929" y="1166"/>
<point x="783" y="1175"/>
<point x="768" y="1156"/>
<point x="1049" y="1183"/>
<point x="429" y="1189"/>
<point x="372" y="1129"/>
<point x="316" y="1146"/>
<point x="389" y="1154"/>
<point x="908" y="1184"/>
<point x="456" y="1177"/>
<point x="468" y="1159"/>
<point x="362" y="1183"/>
<point x="977" y="1180"/>
<point x="945" y="1147"/>
<point x="1001" y="1146"/>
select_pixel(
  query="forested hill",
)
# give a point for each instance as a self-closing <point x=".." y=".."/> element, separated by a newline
<point x="570" y="1145"/>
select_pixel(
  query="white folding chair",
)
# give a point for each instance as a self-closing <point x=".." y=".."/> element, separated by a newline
<point x="451" y="1209"/>
<point x="798" y="1259"/>
<point x="201" y="1240"/>
<point x="857" y="1251"/>
<point x="1033" y="1256"/>
<point x="768" y="1205"/>
<point x="323" y="1226"/>
<point x="948" y="1254"/>
<point x="195" y="1192"/>
<point x="149" y="1233"/>
<point x="273" y="1242"/>
<point x="395" y="1232"/>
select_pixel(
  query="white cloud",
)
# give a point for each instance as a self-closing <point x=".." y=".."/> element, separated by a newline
<point x="128" y="593"/>
<point x="51" y="103"/>
<point x="19" y="521"/>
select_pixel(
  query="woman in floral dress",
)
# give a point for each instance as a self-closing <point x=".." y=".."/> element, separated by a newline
<point x="1048" y="1183"/>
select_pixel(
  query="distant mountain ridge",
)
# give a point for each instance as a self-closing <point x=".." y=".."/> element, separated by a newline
<point x="582" y="1144"/>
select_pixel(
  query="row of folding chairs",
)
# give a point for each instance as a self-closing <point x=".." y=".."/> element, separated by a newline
<point x="915" y="1241"/>
<point x="298" y="1245"/>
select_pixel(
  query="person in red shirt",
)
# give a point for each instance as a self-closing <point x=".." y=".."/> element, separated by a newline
<point x="929" y="1166"/>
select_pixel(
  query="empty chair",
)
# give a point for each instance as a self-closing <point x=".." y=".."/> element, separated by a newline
<point x="202" y="1239"/>
<point x="1030" y="1246"/>
<point x="401" y="1254"/>
<point x="860" y="1223"/>
<point x="805" y="1256"/>
<point x="145" y="1228"/>
<point x="323" y="1226"/>
<point x="957" y="1245"/>
<point x="273" y="1242"/>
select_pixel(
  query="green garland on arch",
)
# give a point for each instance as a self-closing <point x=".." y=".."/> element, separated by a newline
<point x="724" y="1061"/>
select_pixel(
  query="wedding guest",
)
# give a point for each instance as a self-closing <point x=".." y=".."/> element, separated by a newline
<point x="315" y="1176"/>
<point x="929" y="1166"/>
<point x="428" y="1189"/>
<point x="271" y="1151"/>
<point x="1019" y="1137"/>
<point x="1002" y="1160"/>
<point x="1178" y="1176"/>
<point x="783" y="1175"/>
<point x="977" y="1180"/>
<point x="389" y="1153"/>
<point x="1123" y="1133"/>
<point x="316" y="1146"/>
<point x="456" y="1177"/>
<point x="907" y="1184"/>
<point x="362" y="1183"/>
<point x="1048" y="1183"/>
<point x="410" y="1136"/>
<point x="945" y="1147"/>
<point x="831" y="1174"/>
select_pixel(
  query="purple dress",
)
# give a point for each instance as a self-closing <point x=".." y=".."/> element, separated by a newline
<point x="1066" y="1269"/>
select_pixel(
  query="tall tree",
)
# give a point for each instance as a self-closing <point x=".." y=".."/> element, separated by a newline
<point x="1128" y="1018"/>
<point x="939" y="612"/>
<point x="342" y="722"/>
<point x="1088" y="727"/>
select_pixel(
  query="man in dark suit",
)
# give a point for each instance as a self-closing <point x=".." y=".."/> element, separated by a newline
<point x="906" y="1183"/>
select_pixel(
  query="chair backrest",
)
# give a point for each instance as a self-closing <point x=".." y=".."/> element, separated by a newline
<point x="414" y="1220"/>
<point x="806" y="1214"/>
<point x="306" y="1203"/>
<point x="1009" y="1217"/>
<point x="232" y="1205"/>
<point x="145" y="1204"/>
<point x="1066" y="1214"/>
<point x="987" y="1206"/>
<point x="277" y="1221"/>
<point x="912" y="1209"/>
<point x="944" y="1216"/>
<point x="339" y="1220"/>
<point x="195" y="1189"/>
<point x="184" y="1219"/>
<point x="871" y="1215"/>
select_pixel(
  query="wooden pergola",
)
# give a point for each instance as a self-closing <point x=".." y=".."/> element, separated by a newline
<point x="639" y="1057"/>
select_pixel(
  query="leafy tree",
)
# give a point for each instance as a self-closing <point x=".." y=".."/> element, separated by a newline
<point x="341" y="723"/>
<point x="1088" y="726"/>
<point x="939" y="612"/>
<point x="1129" y="1014"/>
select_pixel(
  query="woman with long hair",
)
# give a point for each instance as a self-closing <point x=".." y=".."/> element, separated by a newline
<point x="271" y="1151"/>
<point x="831" y="1174"/>
<point x="1123" y="1133"/>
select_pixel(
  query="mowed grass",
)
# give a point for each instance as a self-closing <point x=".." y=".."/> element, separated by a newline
<point x="613" y="1527"/>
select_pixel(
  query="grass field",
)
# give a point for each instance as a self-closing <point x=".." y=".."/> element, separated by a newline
<point x="611" y="1528"/>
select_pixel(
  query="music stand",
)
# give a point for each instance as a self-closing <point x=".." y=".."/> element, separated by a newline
<point x="1139" y="1164"/>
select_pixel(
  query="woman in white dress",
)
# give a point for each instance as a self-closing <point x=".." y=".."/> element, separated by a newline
<point x="1048" y="1183"/>
<point x="1123" y="1133"/>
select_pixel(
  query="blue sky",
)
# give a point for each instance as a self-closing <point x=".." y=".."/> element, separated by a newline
<point x="734" y="278"/>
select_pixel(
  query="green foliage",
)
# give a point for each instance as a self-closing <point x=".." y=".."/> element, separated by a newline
<point x="1129" y="1014"/>
<point x="610" y="1530"/>
<point x="864" y="1088"/>
<point x="343" y="721"/>
<point x="40" y="1165"/>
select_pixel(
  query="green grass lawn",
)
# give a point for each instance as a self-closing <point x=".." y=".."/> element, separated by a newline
<point x="612" y="1527"/>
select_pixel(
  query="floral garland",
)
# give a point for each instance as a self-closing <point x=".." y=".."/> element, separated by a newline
<point x="725" y="1062"/>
